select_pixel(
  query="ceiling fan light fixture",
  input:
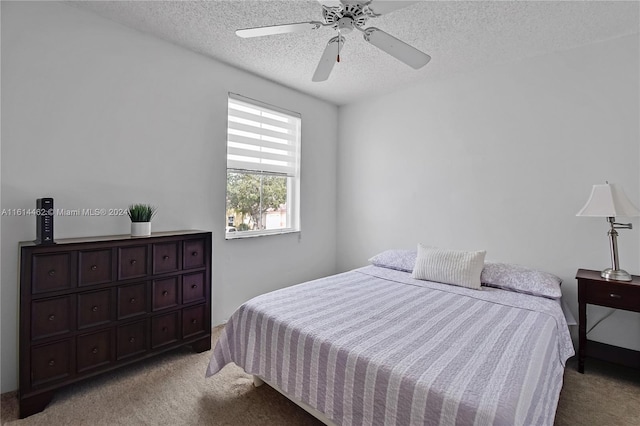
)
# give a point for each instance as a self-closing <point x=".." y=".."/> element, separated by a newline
<point x="345" y="25"/>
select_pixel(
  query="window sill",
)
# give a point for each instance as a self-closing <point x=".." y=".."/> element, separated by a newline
<point x="238" y="235"/>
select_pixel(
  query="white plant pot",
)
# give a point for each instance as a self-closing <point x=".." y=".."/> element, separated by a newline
<point x="140" y="229"/>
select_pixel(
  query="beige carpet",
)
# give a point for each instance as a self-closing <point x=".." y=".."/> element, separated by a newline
<point x="171" y="390"/>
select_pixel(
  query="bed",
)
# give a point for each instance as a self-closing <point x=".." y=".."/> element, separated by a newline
<point x="376" y="345"/>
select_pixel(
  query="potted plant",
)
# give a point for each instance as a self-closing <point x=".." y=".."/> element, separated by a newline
<point x="140" y="215"/>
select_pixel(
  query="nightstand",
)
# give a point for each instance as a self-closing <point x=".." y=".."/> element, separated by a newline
<point x="595" y="290"/>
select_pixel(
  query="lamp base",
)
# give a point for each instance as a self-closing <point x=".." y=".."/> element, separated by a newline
<point x="615" y="274"/>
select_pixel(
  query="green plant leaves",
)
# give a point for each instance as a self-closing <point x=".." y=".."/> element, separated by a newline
<point x="141" y="212"/>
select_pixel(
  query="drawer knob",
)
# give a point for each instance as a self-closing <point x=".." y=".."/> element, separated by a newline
<point x="132" y="300"/>
<point x="132" y="339"/>
<point x="52" y="272"/>
<point x="94" y="309"/>
<point x="194" y="286"/>
<point x="615" y="296"/>
<point x="94" y="267"/>
<point x="165" y="257"/>
<point x="133" y="261"/>
<point x="94" y="350"/>
<point x="194" y="253"/>
<point x="194" y="321"/>
<point x="52" y="362"/>
<point x="52" y="317"/>
<point x="164" y="293"/>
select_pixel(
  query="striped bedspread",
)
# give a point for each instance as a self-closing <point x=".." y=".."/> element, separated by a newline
<point x="374" y="346"/>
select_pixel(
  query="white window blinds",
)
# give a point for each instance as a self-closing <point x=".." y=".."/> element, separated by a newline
<point x="262" y="138"/>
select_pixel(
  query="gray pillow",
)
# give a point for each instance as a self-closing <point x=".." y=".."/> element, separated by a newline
<point x="400" y="260"/>
<point x="521" y="280"/>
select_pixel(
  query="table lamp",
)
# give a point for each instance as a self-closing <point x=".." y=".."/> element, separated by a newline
<point x="609" y="200"/>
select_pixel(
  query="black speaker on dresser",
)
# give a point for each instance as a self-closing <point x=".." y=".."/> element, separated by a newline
<point x="44" y="221"/>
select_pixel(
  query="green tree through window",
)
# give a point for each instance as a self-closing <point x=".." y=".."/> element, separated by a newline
<point x="253" y="195"/>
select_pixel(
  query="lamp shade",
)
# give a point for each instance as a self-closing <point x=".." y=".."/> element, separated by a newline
<point x="608" y="200"/>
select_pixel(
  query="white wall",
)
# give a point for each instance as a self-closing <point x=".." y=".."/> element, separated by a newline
<point x="501" y="159"/>
<point x="99" y="116"/>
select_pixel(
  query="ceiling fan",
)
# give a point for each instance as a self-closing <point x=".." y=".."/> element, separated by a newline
<point x="345" y="16"/>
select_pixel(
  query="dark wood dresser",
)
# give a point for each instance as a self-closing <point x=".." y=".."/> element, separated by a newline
<point x="90" y="305"/>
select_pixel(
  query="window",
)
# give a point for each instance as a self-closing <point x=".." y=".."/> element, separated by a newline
<point x="263" y="169"/>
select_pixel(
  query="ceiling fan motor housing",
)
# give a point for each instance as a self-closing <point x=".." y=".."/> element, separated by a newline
<point x="345" y="17"/>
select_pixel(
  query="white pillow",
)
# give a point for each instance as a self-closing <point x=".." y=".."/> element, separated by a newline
<point x="461" y="268"/>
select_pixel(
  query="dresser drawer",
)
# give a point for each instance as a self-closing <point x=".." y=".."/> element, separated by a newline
<point x="164" y="329"/>
<point x="193" y="254"/>
<point x="51" y="317"/>
<point x="51" y="272"/>
<point x="193" y="321"/>
<point x="165" y="293"/>
<point x="94" y="308"/>
<point x="132" y="262"/>
<point x="165" y="258"/>
<point x="132" y="339"/>
<point x="50" y="362"/>
<point x="193" y="287"/>
<point x="93" y="350"/>
<point x="612" y="295"/>
<point x="94" y="267"/>
<point x="132" y="300"/>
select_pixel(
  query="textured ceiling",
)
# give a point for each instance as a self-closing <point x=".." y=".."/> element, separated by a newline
<point x="459" y="35"/>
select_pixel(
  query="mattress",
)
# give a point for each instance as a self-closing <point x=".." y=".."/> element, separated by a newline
<point x="374" y="346"/>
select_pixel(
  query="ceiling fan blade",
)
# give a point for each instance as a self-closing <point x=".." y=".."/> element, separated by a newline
<point x="396" y="48"/>
<point x="378" y="7"/>
<point x="278" y="29"/>
<point x="328" y="59"/>
<point x="330" y="3"/>
<point x="382" y="7"/>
